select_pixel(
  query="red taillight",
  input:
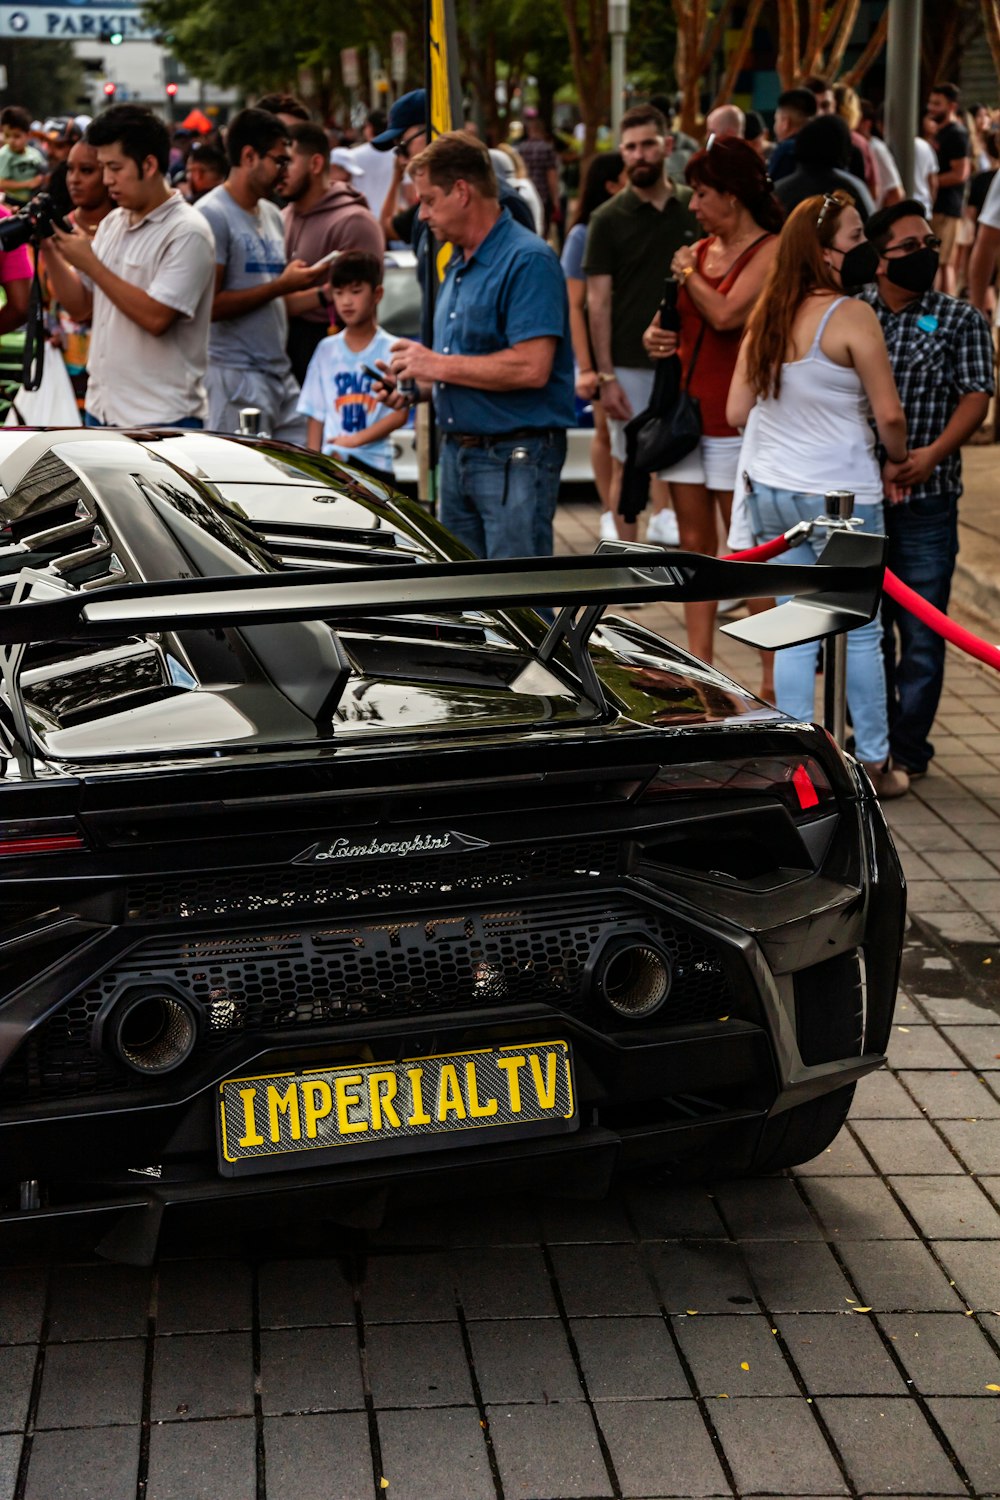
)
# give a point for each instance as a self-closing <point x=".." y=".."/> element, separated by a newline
<point x="804" y="789"/>
<point x="46" y="843"/>
<point x="798" y="781"/>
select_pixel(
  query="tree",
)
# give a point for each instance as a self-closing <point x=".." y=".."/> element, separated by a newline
<point x="991" y="21"/>
<point x="44" y="76"/>
<point x="255" y="47"/>
<point x="587" y="27"/>
<point x="948" y="33"/>
<point x="700" y="35"/>
<point x="828" y="32"/>
<point x="527" y="35"/>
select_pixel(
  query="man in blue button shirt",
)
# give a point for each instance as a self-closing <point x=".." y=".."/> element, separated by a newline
<point x="501" y="369"/>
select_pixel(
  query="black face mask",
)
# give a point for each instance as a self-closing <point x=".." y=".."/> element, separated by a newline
<point x="858" y="266"/>
<point x="915" y="272"/>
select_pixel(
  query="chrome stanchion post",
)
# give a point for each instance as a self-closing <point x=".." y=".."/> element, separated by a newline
<point x="250" y="424"/>
<point x="839" y="511"/>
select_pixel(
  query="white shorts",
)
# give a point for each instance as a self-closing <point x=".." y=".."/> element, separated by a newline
<point x="638" y="387"/>
<point x="714" y="463"/>
<point x="741" y="535"/>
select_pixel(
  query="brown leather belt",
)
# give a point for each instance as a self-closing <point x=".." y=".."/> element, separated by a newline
<point x="490" y="439"/>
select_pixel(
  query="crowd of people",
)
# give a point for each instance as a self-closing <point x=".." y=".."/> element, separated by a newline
<point x="815" y="323"/>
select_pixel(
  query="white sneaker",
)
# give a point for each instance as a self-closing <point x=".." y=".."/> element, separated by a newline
<point x="609" y="531"/>
<point x="662" y="527"/>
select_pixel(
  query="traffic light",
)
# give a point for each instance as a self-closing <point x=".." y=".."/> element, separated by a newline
<point x="109" y="91"/>
<point x="116" y="38"/>
<point x="171" y="90"/>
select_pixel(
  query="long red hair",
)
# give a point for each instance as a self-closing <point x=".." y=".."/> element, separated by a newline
<point x="798" y="270"/>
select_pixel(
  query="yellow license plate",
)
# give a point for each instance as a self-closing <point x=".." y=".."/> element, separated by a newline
<point x="301" y="1119"/>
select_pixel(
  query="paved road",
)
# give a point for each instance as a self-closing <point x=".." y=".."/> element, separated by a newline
<point x="833" y="1331"/>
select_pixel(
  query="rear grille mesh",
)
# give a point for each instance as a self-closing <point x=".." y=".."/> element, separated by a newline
<point x="453" y="960"/>
<point x="251" y="894"/>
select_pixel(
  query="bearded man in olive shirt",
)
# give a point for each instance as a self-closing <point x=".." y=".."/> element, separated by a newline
<point x="631" y="241"/>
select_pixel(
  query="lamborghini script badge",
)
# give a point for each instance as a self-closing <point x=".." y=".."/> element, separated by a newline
<point x="389" y="846"/>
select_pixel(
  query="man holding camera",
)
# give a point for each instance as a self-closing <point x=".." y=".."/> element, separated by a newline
<point x="15" y="279"/>
<point x="144" y="282"/>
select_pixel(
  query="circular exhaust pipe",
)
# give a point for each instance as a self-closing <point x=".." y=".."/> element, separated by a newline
<point x="632" y="977"/>
<point x="151" y="1031"/>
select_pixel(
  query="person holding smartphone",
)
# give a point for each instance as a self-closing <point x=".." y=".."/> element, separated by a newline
<point x="322" y="215"/>
<point x="345" y="418"/>
<point x="256" y="287"/>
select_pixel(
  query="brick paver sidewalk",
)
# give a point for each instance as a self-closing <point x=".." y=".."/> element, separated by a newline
<point x="834" y="1331"/>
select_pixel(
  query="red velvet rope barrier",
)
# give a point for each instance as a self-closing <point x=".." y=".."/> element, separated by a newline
<point x="910" y="600"/>
<point x="762" y="553"/>
<point x="973" y="645"/>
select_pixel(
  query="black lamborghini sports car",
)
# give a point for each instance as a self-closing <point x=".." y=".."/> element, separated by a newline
<point x="333" y="859"/>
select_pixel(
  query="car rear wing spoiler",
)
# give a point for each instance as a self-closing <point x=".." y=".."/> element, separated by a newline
<point x="842" y="590"/>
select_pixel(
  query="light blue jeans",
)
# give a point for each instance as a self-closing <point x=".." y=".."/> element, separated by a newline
<point x="773" y="512"/>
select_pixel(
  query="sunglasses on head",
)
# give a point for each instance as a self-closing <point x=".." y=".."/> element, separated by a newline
<point x="831" y="206"/>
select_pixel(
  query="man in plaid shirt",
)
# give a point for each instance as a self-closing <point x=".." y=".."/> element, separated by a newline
<point x="942" y="358"/>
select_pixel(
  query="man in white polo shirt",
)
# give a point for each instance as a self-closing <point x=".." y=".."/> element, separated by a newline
<point x="145" y="282"/>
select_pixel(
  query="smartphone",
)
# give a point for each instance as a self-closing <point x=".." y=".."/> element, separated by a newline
<point x="381" y="376"/>
<point x="326" y="260"/>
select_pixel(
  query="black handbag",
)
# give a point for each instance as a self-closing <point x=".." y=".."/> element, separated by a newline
<point x="670" y="427"/>
<point x="675" y="431"/>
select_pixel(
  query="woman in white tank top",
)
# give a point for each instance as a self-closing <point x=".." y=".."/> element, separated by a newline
<point x="813" y="372"/>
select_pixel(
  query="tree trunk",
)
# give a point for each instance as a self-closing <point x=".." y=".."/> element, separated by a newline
<point x="788" y="43"/>
<point x="991" y="21"/>
<point x="691" y="17"/>
<point x="739" y="53"/>
<point x="840" y="45"/>
<point x="590" y="67"/>
<point x="875" y="44"/>
<point x="828" y="30"/>
<point x="814" y="40"/>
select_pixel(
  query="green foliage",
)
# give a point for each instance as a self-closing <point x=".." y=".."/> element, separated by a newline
<point x="652" y="43"/>
<point x="255" y="47"/>
<point x="44" y="76"/>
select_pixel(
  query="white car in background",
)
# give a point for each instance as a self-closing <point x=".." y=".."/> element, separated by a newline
<point x="399" y="314"/>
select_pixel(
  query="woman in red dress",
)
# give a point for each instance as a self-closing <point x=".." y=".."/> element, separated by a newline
<point x="721" y="278"/>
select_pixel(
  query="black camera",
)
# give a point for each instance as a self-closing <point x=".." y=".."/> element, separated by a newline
<point x="36" y="221"/>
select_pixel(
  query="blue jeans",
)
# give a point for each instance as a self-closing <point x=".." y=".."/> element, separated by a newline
<point x="499" y="505"/>
<point x="194" y="423"/>
<point x="772" y="512"/>
<point x="923" y="545"/>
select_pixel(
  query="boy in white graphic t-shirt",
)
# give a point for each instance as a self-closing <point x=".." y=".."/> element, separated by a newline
<point x="345" y="419"/>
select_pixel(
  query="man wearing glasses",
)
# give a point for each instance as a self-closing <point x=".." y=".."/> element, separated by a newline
<point x="406" y="136"/>
<point x="941" y="354"/>
<point x="255" y="289"/>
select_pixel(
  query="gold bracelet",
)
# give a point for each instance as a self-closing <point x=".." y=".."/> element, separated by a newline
<point x="603" y="378"/>
<point x="687" y="271"/>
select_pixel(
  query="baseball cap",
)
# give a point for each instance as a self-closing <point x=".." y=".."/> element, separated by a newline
<point x="62" y="128"/>
<point x="343" y="156"/>
<point x="503" y="167"/>
<point x="409" y="110"/>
